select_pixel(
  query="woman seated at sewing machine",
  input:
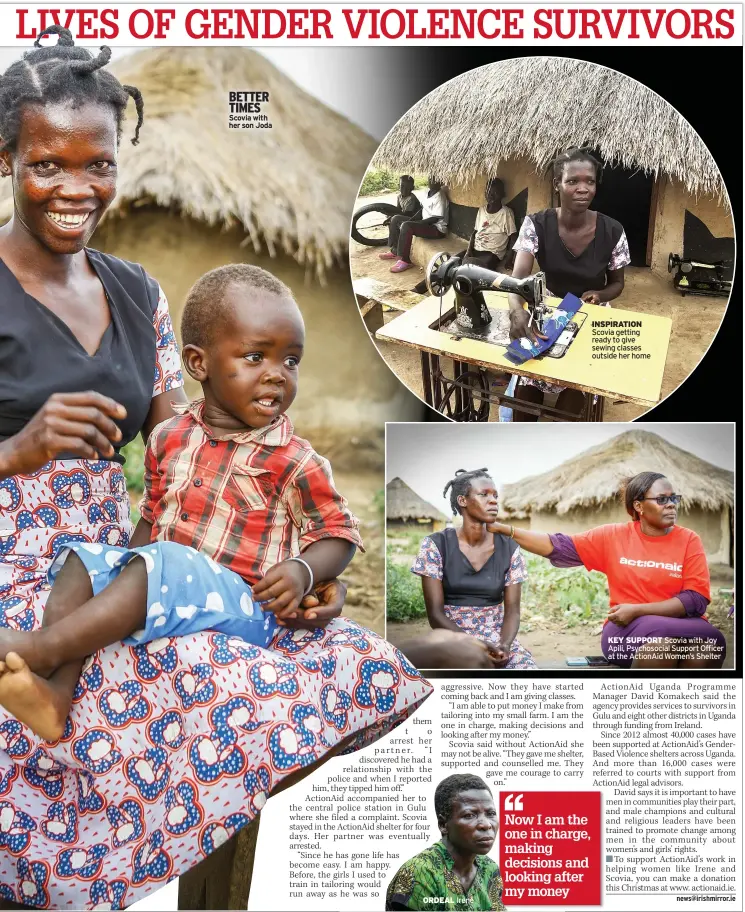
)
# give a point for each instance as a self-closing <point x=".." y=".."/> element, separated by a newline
<point x="581" y="251"/>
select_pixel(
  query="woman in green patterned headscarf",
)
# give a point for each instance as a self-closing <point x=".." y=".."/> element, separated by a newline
<point x="456" y="872"/>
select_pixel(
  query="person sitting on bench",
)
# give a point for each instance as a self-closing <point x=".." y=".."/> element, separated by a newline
<point x="432" y="223"/>
<point x="407" y="203"/>
<point x="495" y="233"/>
<point x="495" y="228"/>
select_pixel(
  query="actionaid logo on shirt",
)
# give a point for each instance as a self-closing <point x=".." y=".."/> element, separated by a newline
<point x="656" y="565"/>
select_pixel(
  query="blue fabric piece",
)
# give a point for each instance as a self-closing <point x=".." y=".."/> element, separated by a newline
<point x="505" y="412"/>
<point x="187" y="591"/>
<point x="521" y="350"/>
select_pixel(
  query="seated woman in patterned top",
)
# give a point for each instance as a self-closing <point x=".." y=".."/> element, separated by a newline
<point x="456" y="872"/>
<point x="471" y="578"/>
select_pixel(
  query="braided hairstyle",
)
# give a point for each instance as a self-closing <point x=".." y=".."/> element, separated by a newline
<point x="461" y="486"/>
<point x="61" y="73"/>
<point x="575" y="154"/>
<point x="635" y="488"/>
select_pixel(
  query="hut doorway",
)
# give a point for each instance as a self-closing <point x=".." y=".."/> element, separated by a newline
<point x="628" y="197"/>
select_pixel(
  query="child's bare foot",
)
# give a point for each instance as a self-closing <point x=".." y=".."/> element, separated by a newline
<point x="31" y="699"/>
<point x="28" y="645"/>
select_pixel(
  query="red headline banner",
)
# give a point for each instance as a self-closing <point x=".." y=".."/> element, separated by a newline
<point x="549" y="848"/>
<point x="374" y="24"/>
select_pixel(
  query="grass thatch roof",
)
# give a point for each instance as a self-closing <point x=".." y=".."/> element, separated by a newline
<point x="291" y="188"/>
<point x="535" y="107"/>
<point x="405" y="505"/>
<point x="597" y="475"/>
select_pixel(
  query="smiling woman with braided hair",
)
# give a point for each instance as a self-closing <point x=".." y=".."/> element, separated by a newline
<point x="471" y="578"/>
<point x="173" y="746"/>
<point x="88" y="361"/>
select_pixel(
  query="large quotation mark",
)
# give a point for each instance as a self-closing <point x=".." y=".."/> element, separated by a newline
<point x="513" y="802"/>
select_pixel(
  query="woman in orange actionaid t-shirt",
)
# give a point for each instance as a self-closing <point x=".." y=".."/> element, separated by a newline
<point x="657" y="576"/>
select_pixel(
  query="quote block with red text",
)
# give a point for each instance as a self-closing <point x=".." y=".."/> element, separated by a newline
<point x="550" y="848"/>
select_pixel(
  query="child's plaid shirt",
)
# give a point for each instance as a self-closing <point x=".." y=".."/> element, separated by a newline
<point x="248" y="500"/>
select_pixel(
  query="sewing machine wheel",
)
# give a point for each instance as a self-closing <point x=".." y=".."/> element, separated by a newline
<point x="674" y="260"/>
<point x="434" y="286"/>
<point x="465" y="398"/>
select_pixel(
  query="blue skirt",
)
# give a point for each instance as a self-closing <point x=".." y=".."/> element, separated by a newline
<point x="186" y="591"/>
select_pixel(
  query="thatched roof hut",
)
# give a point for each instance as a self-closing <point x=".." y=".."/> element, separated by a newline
<point x="513" y="117"/>
<point x="585" y="491"/>
<point x="405" y="507"/>
<point x="535" y="107"/>
<point x="289" y="188"/>
<point x="195" y="194"/>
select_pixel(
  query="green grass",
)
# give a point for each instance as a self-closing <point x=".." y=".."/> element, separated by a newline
<point x="134" y="472"/>
<point x="571" y="598"/>
<point x="404" y="599"/>
<point x="405" y="542"/>
<point x="134" y="465"/>
<point x="378" y="180"/>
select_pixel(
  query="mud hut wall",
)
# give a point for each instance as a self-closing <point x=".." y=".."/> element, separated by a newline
<point x="711" y="525"/>
<point x="423" y="526"/>
<point x="578" y="520"/>
<point x="517" y="174"/>
<point x="344" y="384"/>
<point x="672" y="202"/>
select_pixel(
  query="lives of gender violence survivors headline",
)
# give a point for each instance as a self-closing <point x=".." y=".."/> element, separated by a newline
<point x="340" y="24"/>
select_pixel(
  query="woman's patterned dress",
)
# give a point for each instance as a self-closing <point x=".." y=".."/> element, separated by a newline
<point x="170" y="747"/>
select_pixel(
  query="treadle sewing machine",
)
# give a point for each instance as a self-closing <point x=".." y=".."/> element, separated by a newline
<point x="462" y="331"/>
<point x="471" y="316"/>
<point x="691" y="277"/>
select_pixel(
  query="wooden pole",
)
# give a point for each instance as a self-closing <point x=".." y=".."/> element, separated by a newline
<point x="223" y="879"/>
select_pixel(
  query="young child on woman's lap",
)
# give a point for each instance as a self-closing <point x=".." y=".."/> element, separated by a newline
<point x="231" y="497"/>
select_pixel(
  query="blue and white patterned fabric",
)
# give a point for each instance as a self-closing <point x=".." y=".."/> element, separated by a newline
<point x="521" y="350"/>
<point x="187" y="592"/>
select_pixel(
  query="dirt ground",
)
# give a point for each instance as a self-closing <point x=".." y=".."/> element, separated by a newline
<point x="553" y="641"/>
<point x="365" y="576"/>
<point x="695" y="320"/>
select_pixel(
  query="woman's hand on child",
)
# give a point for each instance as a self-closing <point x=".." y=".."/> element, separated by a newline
<point x="324" y="603"/>
<point x="319" y="607"/>
<point x="622" y="614"/>
<point x="282" y="589"/>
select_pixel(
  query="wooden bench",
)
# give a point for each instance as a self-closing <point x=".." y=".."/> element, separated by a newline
<point x="373" y="296"/>
<point x="423" y="249"/>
